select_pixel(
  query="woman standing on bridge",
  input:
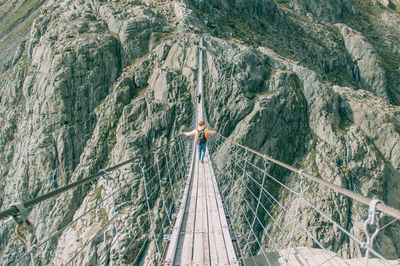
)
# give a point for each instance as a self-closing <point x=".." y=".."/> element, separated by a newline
<point x="201" y="135"/>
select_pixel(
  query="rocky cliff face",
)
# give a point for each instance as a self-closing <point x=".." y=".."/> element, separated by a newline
<point x="87" y="84"/>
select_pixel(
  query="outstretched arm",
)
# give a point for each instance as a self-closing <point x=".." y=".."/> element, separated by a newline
<point x="210" y="131"/>
<point x="192" y="133"/>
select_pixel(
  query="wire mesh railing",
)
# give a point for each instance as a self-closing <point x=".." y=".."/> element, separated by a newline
<point x="255" y="192"/>
<point x="151" y="208"/>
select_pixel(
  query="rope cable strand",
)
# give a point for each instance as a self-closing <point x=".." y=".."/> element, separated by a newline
<point x="106" y="224"/>
<point x="237" y="165"/>
<point x="176" y="164"/>
<point x="244" y="179"/>
<point x="157" y="236"/>
<point x="381" y="207"/>
<point x="294" y="222"/>
<point x="312" y="206"/>
<point x="218" y="147"/>
<point x="59" y="231"/>
<point x="13" y="210"/>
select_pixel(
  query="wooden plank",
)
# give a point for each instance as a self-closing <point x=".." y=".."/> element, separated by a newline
<point x="205" y="231"/>
<point x="204" y="237"/>
<point x="219" y="256"/>
<point x="173" y="246"/>
<point x="212" y="224"/>
<point x="224" y="224"/>
<point x="185" y="245"/>
<point x="198" y="252"/>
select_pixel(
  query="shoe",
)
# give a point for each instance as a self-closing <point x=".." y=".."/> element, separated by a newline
<point x="201" y="161"/>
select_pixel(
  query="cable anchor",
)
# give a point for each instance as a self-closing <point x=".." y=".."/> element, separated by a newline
<point x="303" y="187"/>
<point x="267" y="165"/>
<point x="21" y="219"/>
<point x="371" y="221"/>
<point x="106" y="175"/>
<point x="141" y="163"/>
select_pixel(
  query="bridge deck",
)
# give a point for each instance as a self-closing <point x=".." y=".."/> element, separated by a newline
<point x="200" y="235"/>
<point x="204" y="237"/>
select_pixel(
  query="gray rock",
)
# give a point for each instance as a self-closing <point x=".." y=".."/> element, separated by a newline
<point x="386" y="3"/>
<point x="330" y="11"/>
<point x="372" y="75"/>
<point x="18" y="53"/>
<point x="136" y="34"/>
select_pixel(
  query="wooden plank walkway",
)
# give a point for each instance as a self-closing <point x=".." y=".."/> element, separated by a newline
<point x="204" y="237"/>
<point x="201" y="235"/>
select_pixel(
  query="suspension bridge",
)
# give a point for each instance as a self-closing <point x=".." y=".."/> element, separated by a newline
<point x="220" y="212"/>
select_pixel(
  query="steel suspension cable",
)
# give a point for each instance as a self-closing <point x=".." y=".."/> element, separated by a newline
<point x="241" y="252"/>
<point x="178" y="161"/>
<point x="264" y="229"/>
<point x="172" y="207"/>
<point x="107" y="224"/>
<point x="169" y="179"/>
<point x="263" y="188"/>
<point x="152" y="225"/>
<point x="161" y="190"/>
<point x="142" y="224"/>
<point x="381" y="207"/>
<point x="389" y="223"/>
<point x="312" y="206"/>
<point x="258" y="204"/>
<point x="161" y="239"/>
<point x="177" y="168"/>
<point x="301" y="193"/>
<point x="149" y="194"/>
<point x="180" y="173"/>
<point x="91" y="239"/>
<point x="134" y="238"/>
<point x="97" y="204"/>
<point x="292" y="216"/>
<point x="238" y="200"/>
<point x="232" y="161"/>
<point x="110" y="183"/>
<point x="265" y="209"/>
<point x="323" y="215"/>
<point x="13" y="210"/>
<point x="271" y="177"/>
<point x="255" y="237"/>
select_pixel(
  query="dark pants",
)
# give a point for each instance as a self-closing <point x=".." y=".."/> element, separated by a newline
<point x="202" y="151"/>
